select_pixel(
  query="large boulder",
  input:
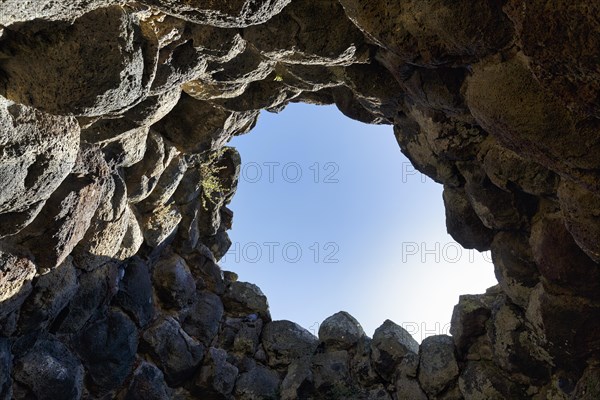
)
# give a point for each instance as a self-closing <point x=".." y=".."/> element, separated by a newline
<point x="69" y="74"/>
<point x="260" y="383"/>
<point x="173" y="282"/>
<point x="390" y="344"/>
<point x="16" y="274"/>
<point x="202" y="319"/>
<point x="329" y="40"/>
<point x="107" y="349"/>
<point x="135" y="294"/>
<point x="67" y="215"/>
<point x="432" y="32"/>
<point x="560" y="40"/>
<point x="49" y="371"/>
<point x="51" y="293"/>
<point x="341" y="331"/>
<point x="176" y="353"/>
<point x="243" y="298"/>
<point x="217" y="377"/>
<point x="285" y="341"/>
<point x="148" y="383"/>
<point x="39" y="152"/>
<point x="438" y="368"/>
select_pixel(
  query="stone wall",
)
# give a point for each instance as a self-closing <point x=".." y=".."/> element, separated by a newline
<point x="114" y="120"/>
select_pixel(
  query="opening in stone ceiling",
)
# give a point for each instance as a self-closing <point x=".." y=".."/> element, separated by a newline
<point x="330" y="216"/>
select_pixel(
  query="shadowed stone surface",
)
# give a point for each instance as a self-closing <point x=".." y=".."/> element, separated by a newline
<point x="49" y="371"/>
<point x="116" y="179"/>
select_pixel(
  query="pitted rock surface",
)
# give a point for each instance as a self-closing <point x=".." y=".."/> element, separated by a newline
<point x="116" y="177"/>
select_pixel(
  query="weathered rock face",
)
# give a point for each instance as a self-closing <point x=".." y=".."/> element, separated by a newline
<point x="114" y="120"/>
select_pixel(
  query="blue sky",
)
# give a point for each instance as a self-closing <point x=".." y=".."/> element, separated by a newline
<point x="330" y="216"/>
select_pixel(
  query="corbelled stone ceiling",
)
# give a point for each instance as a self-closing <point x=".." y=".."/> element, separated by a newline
<point x="116" y="175"/>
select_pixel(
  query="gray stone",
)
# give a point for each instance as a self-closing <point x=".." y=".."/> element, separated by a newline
<point x="433" y="32"/>
<point x="408" y="388"/>
<point x="268" y="94"/>
<point x="135" y="292"/>
<point x="108" y="348"/>
<point x="39" y="151"/>
<point x="14" y="11"/>
<point x="166" y="186"/>
<point x="242" y="298"/>
<point x="514" y="267"/>
<point x="573" y="80"/>
<point x="142" y="177"/>
<point x="259" y="383"/>
<point x="481" y="380"/>
<point x="148" y="383"/>
<point x="566" y="326"/>
<point x="409" y="366"/>
<point x="13" y="222"/>
<point x="16" y="274"/>
<point x="133" y="238"/>
<point x="51" y="294"/>
<point x="241" y="336"/>
<point x="390" y="344"/>
<point x="468" y="321"/>
<point x="235" y="14"/>
<point x="331" y="373"/>
<point x="5" y="370"/>
<point x="247" y="338"/>
<point x="160" y="224"/>
<point x="285" y="341"/>
<point x="153" y="108"/>
<point x="340" y="331"/>
<point x="362" y="369"/>
<point x="205" y="268"/>
<point x="96" y="290"/>
<point x="67" y="214"/>
<point x="580" y="210"/>
<point x="505" y="168"/>
<point x="196" y="126"/>
<point x="219" y="244"/>
<point x="246" y="67"/>
<point x="497" y="209"/>
<point x="307" y="43"/>
<point x="560" y="260"/>
<point x="588" y="387"/>
<point x="127" y="148"/>
<point x="178" y="62"/>
<point x="216" y="378"/>
<point x="176" y="353"/>
<point x="50" y="371"/>
<point x="102" y="240"/>
<point x="516" y="347"/>
<point x="463" y="223"/>
<point x="524" y="126"/>
<point x="202" y="319"/>
<point x="298" y="382"/>
<point x="378" y="392"/>
<point x="438" y="368"/>
<point x="75" y="80"/>
<point x="173" y="281"/>
<point x="219" y="45"/>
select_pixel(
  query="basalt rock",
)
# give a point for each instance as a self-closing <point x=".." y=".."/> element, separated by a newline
<point x="116" y="180"/>
<point x="47" y="371"/>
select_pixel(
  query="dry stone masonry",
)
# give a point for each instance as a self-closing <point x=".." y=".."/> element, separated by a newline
<point x="115" y="178"/>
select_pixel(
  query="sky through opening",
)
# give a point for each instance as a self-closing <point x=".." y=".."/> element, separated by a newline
<point x="331" y="216"/>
